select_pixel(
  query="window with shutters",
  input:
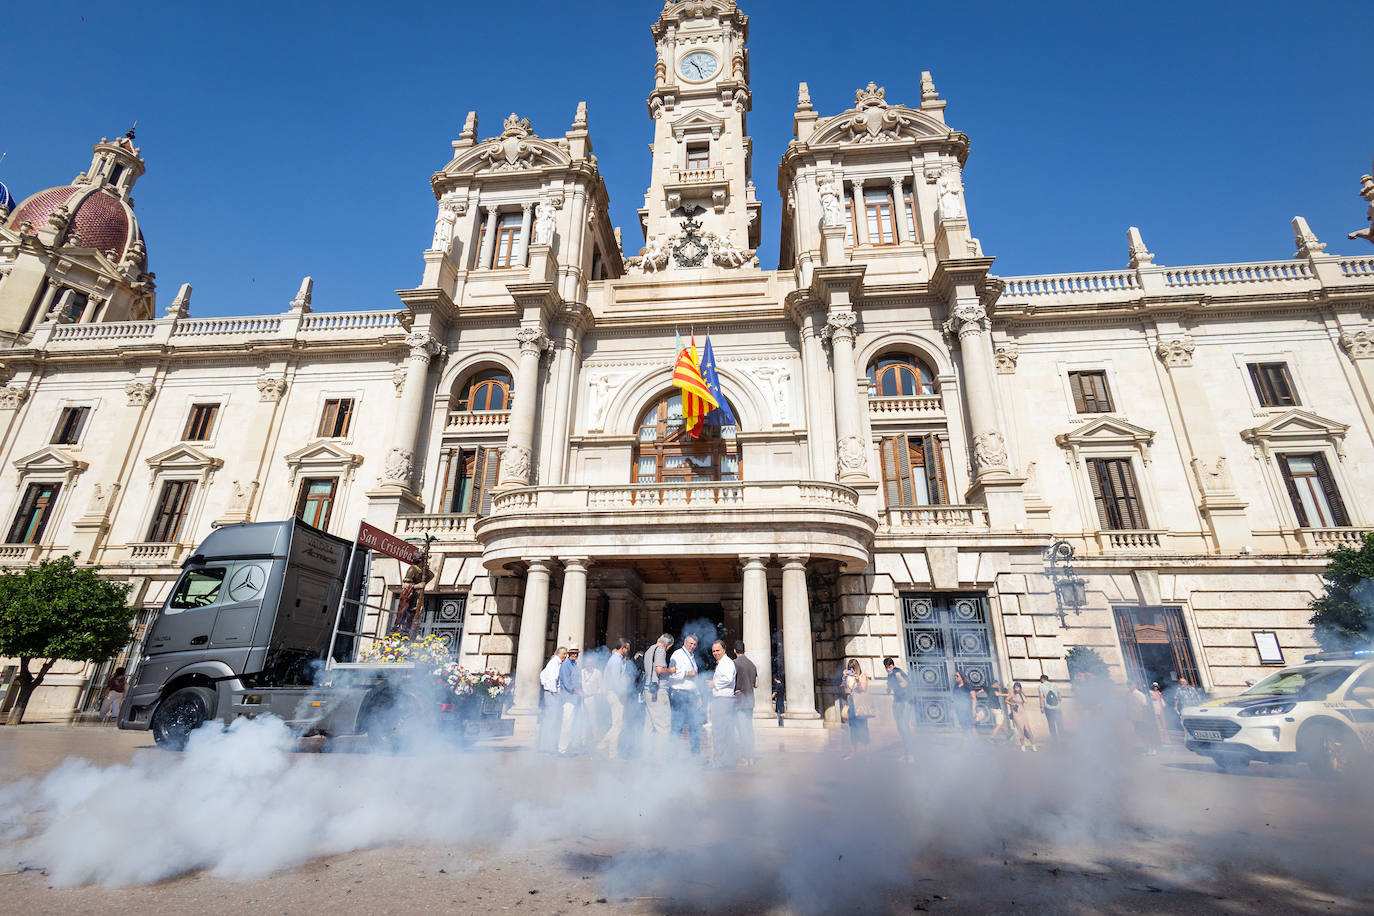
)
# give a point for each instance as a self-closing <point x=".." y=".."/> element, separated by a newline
<point x="470" y="478"/>
<point x="485" y="391"/>
<point x="1312" y="488"/>
<point x="337" y="418"/>
<point x="35" y="510"/>
<point x="172" y="505"/>
<point x="1273" y="384"/>
<point x="1090" y="392"/>
<point x="315" y="504"/>
<point x="913" y="471"/>
<point x="70" y="425"/>
<point x="665" y="452"/>
<point x="1116" y="494"/>
<point x="900" y="375"/>
<point x="201" y="423"/>
<point x="878" y="210"/>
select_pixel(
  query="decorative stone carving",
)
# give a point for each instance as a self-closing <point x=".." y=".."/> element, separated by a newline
<point x="512" y="151"/>
<point x="652" y="258"/>
<point x="600" y="389"/>
<point x="242" y="497"/>
<point x="544" y="222"/>
<point x="832" y="211"/>
<point x="271" y="388"/>
<point x="398" y="466"/>
<point x="99" y="506"/>
<point x="1358" y="344"/>
<point x="969" y="317"/>
<point x="950" y="188"/>
<point x="423" y="345"/>
<point x="515" y="464"/>
<point x="1177" y="352"/>
<point x="1306" y="239"/>
<point x="469" y="134"/>
<point x="1140" y="255"/>
<point x="533" y="340"/>
<point x="398" y="379"/>
<point x="691" y="248"/>
<point x="778" y="379"/>
<point x="443" y="226"/>
<point x="853" y="456"/>
<point x="139" y="393"/>
<point x="841" y="325"/>
<point x="875" y="122"/>
<point x="1367" y="192"/>
<point x="301" y="303"/>
<point x="803" y="97"/>
<point x="928" y="92"/>
<point x="1213" y="478"/>
<point x="726" y="252"/>
<point x="181" y="305"/>
<point x="989" y="452"/>
<point x="59" y="219"/>
<point x="1005" y="357"/>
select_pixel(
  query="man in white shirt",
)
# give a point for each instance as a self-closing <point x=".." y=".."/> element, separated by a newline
<point x="683" y="695"/>
<point x="551" y="711"/>
<point x="722" y="708"/>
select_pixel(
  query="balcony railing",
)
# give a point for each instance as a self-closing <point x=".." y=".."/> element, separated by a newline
<point x="918" y="404"/>
<point x="700" y="176"/>
<point x="159" y="554"/>
<point x="935" y="517"/>
<point x="444" y="527"/>
<point x="18" y="553"/>
<point x="1137" y="539"/>
<point x="1325" y="539"/>
<point x="477" y="419"/>
<point x="655" y="496"/>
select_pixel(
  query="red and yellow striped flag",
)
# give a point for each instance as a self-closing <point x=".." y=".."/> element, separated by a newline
<point x="697" y="400"/>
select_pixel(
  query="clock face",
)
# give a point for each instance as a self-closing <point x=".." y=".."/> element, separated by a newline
<point x="699" y="66"/>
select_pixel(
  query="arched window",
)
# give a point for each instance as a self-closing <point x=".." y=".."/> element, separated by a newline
<point x="899" y="375"/>
<point x="667" y="453"/>
<point x="486" y="390"/>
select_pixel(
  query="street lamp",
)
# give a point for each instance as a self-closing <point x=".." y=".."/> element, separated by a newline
<point x="1070" y="591"/>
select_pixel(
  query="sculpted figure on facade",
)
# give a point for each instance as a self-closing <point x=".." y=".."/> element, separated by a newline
<point x="398" y="466"/>
<point x="1176" y="353"/>
<point x="545" y="214"/>
<point x="398" y="380"/>
<point x="443" y="227"/>
<point x="138" y="393"/>
<point x="599" y="389"/>
<point x="875" y="121"/>
<point x="853" y="455"/>
<point x="652" y="258"/>
<point x="1358" y="344"/>
<point x="1367" y="192"/>
<point x="832" y="211"/>
<point x="11" y="396"/>
<point x="271" y="388"/>
<point x="726" y="252"/>
<point x="989" y="452"/>
<point x="515" y="464"/>
<point x="950" y="189"/>
<point x="512" y="151"/>
<point x="1005" y="357"/>
<point x="778" y="379"/>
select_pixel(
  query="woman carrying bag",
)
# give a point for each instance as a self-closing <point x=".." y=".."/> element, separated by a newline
<point x="857" y="708"/>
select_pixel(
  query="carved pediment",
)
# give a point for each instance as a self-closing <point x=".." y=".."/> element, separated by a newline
<point x="184" y="457"/>
<point x="874" y="121"/>
<point x="1108" y="431"/>
<point x="49" y="460"/>
<point x="698" y="121"/>
<point x="517" y="149"/>
<point x="1296" y="426"/>
<point x="322" y="455"/>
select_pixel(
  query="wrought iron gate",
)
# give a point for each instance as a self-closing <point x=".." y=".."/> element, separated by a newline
<point x="945" y="634"/>
<point x="444" y="616"/>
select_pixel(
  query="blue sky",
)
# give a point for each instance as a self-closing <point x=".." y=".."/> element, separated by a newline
<point x="286" y="139"/>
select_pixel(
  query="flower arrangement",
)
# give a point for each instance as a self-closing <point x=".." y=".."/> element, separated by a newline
<point x="463" y="683"/>
<point x="397" y="649"/>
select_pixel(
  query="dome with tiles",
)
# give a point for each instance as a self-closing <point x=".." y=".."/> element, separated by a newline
<point x="99" y="219"/>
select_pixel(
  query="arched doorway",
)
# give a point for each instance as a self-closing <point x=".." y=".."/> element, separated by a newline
<point x="666" y="453"/>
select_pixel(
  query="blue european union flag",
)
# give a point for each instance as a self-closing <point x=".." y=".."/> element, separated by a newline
<point x="722" y="415"/>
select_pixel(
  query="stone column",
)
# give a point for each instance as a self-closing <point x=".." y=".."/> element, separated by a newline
<point x="400" y="460"/>
<point x="970" y="323"/>
<point x="563" y="405"/>
<point x="820" y="421"/>
<point x="860" y="215"/>
<point x="523" y="251"/>
<point x="851" y="447"/>
<point x="572" y="610"/>
<point x="758" y="643"/>
<point x="899" y="212"/>
<point x="534" y="620"/>
<point x="45" y="306"/>
<point x="488" y="251"/>
<point x="797" y="664"/>
<point x="519" y="451"/>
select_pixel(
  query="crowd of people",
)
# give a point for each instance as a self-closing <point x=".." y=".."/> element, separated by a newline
<point x="631" y="706"/>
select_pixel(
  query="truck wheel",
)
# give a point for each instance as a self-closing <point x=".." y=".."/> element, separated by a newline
<point x="180" y="714"/>
<point x="386" y="720"/>
<point x="1329" y="750"/>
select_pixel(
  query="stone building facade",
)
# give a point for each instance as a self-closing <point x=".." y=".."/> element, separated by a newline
<point x="913" y="431"/>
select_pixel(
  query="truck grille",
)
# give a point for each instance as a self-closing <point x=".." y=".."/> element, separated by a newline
<point x="1224" y="727"/>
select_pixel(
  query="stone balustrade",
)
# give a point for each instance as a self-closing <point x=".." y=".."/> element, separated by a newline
<point x="132" y="331"/>
<point x="935" y="517"/>
<point x="1238" y="274"/>
<point x="1362" y="268"/>
<point x="248" y="326"/>
<point x="333" y="326"/>
<point x="18" y="553"/>
<point x="655" y="496"/>
<point x="1094" y="285"/>
<point x="1322" y="540"/>
<point x="1132" y="540"/>
<point x="700" y="176"/>
<point x="157" y="554"/>
<point x="477" y="419"/>
<point x="446" y="527"/>
<point x="906" y="406"/>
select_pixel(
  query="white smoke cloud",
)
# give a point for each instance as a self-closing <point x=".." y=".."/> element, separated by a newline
<point x="806" y="830"/>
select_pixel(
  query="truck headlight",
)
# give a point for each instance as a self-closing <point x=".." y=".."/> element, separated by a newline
<point x="1268" y="709"/>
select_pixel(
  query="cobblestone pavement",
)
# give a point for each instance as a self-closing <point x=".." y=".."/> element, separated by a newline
<point x="1215" y="854"/>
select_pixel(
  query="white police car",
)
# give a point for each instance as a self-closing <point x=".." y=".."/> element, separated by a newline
<point x="1320" y="713"/>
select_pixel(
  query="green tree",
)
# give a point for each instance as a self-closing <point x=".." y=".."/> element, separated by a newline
<point x="1343" y="617"/>
<point x="58" y="611"/>
<point x="1086" y="660"/>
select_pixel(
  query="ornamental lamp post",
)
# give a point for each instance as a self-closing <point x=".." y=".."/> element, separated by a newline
<point x="1070" y="591"/>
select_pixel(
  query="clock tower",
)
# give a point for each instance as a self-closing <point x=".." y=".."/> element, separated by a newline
<point x="701" y="209"/>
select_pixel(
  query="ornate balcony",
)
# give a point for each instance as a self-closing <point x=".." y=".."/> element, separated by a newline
<point x="476" y="420"/>
<point x="1323" y="540"/>
<point x="445" y="527"/>
<point x="18" y="554"/>
<point x="926" y="405"/>
<point x="936" y="517"/>
<point x="1132" y="541"/>
<point x="156" y="554"/>
<point x="734" y="518"/>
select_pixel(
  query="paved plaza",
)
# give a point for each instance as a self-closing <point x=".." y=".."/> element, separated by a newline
<point x="970" y="828"/>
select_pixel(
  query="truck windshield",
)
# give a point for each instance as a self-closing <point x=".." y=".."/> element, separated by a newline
<point x="197" y="588"/>
<point x="1313" y="681"/>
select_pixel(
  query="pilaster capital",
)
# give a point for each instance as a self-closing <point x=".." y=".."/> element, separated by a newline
<point x="1358" y="344"/>
<point x="533" y="340"/>
<point x="795" y="562"/>
<point x="423" y="345"/>
<point x="11" y="396"/>
<point x="967" y="319"/>
<point x="841" y="325"/>
<point x="754" y="563"/>
<point x="1176" y="352"/>
<point x="576" y="564"/>
<point x="540" y="565"/>
<point x="1005" y="357"/>
<point x="139" y="393"/>
<point x="271" y="388"/>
